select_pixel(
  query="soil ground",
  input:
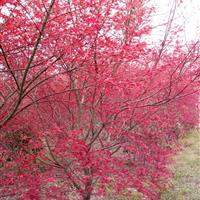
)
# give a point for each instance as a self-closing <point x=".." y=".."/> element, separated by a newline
<point x="186" y="183"/>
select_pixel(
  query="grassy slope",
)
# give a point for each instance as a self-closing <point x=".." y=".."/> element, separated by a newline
<point x="186" y="183"/>
<point x="186" y="167"/>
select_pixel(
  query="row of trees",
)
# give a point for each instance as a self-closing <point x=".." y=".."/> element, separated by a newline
<point x="85" y="103"/>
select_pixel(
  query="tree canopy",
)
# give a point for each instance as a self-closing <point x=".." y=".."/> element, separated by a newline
<point x="85" y="103"/>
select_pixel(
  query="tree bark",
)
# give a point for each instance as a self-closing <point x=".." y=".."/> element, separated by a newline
<point x="87" y="196"/>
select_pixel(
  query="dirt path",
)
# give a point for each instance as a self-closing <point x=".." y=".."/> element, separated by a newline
<point x="186" y="184"/>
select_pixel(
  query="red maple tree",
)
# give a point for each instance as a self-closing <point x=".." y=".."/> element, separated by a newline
<point x="86" y="105"/>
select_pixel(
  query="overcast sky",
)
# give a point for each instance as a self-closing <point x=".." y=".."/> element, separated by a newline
<point x="187" y="15"/>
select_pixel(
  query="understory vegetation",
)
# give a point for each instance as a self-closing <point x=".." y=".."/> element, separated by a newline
<point x="185" y="185"/>
<point x="186" y="182"/>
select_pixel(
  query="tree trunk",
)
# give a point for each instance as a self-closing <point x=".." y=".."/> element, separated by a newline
<point x="87" y="196"/>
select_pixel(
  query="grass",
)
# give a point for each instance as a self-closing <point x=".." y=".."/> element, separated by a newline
<point x="186" y="183"/>
<point x="186" y="167"/>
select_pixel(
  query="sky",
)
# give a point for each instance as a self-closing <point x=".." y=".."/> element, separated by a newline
<point x="187" y="15"/>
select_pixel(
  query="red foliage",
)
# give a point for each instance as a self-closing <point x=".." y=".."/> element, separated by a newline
<point x="85" y="103"/>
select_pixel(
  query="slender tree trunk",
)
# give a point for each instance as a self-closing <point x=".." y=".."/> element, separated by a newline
<point x="87" y="196"/>
<point x="88" y="184"/>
